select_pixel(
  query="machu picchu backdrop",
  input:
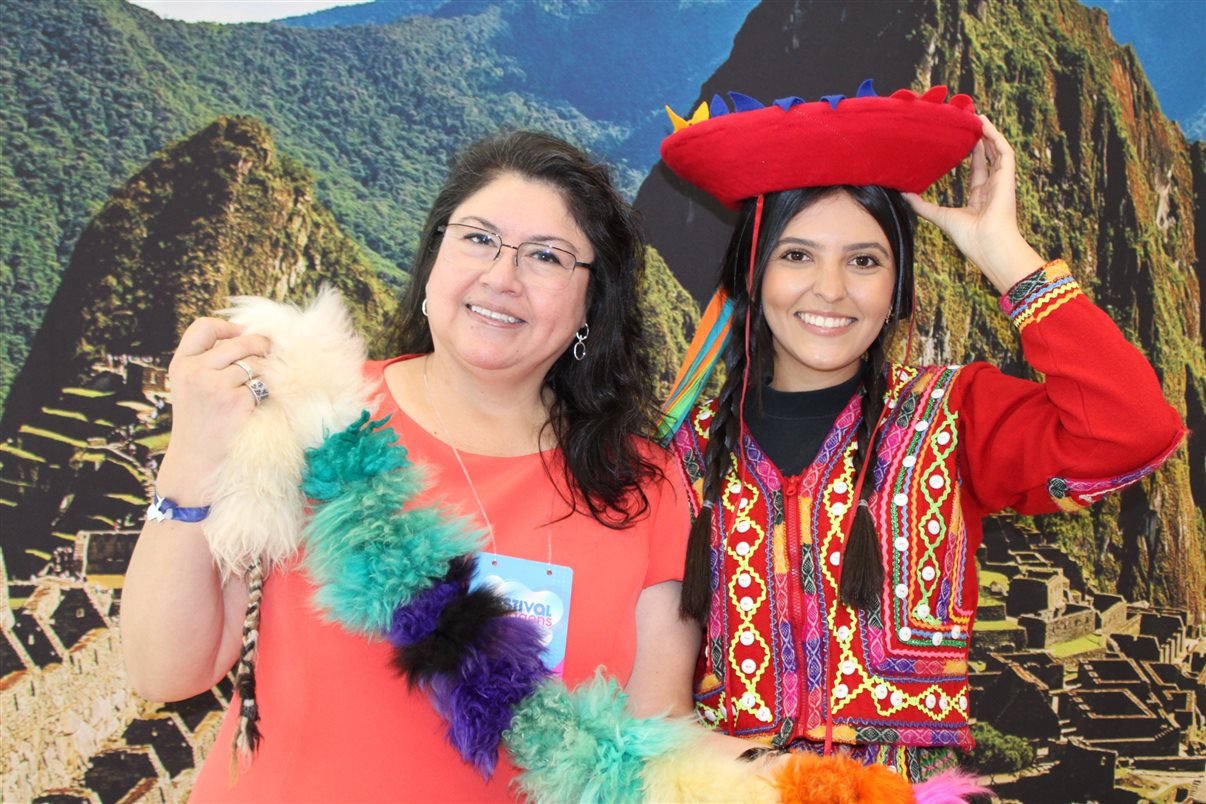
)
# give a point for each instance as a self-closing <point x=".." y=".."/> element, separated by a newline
<point x="150" y="168"/>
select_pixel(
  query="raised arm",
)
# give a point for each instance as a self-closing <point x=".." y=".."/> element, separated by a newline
<point x="1098" y="421"/>
<point x="180" y="625"/>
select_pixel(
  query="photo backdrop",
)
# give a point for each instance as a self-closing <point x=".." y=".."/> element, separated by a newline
<point x="152" y="168"/>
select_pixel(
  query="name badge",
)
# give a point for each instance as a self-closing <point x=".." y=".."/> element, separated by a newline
<point x="535" y="591"/>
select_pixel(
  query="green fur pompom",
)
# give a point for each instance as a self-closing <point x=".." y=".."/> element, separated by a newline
<point x="584" y="745"/>
<point x="364" y="551"/>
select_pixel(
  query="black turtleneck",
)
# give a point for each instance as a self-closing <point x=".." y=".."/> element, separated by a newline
<point x="791" y="425"/>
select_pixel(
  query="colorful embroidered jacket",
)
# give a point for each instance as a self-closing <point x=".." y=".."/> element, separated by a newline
<point x="958" y="443"/>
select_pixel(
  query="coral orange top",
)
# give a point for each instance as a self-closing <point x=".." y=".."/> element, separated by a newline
<point x="339" y="724"/>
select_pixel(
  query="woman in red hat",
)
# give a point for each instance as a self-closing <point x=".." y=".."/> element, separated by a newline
<point x="838" y="495"/>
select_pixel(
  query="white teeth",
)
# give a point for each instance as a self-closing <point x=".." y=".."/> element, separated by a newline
<point x="823" y="321"/>
<point x="503" y="317"/>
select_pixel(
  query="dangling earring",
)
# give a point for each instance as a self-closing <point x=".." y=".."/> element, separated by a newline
<point x="423" y="307"/>
<point x="891" y="312"/>
<point x="580" y="346"/>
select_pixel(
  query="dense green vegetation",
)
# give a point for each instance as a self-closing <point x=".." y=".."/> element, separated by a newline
<point x="999" y="753"/>
<point x="89" y="89"/>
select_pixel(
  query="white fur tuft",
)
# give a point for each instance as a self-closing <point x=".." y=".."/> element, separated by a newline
<point x="316" y="386"/>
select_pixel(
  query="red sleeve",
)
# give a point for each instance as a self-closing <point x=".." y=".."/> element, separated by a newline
<point x="668" y="523"/>
<point x="1098" y="422"/>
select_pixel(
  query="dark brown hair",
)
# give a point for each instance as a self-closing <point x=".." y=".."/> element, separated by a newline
<point x="600" y="402"/>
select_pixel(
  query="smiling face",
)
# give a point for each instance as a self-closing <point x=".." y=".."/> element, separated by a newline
<point x="482" y="314"/>
<point x="826" y="292"/>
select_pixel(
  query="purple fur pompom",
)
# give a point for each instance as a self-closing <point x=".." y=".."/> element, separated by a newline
<point x="417" y="620"/>
<point x="478" y="700"/>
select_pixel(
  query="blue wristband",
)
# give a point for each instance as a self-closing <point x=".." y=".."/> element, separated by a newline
<point x="162" y="509"/>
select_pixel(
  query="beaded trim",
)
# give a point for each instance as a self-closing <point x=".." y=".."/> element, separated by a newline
<point x="1040" y="294"/>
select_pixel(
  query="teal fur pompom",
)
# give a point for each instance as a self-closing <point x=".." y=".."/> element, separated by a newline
<point x="364" y="552"/>
<point x="584" y="745"/>
<point x="365" y="449"/>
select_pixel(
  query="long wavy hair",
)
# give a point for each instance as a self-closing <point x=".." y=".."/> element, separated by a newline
<point x="862" y="572"/>
<point x="603" y="400"/>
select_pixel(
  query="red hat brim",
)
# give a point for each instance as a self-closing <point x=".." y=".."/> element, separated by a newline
<point x="904" y="142"/>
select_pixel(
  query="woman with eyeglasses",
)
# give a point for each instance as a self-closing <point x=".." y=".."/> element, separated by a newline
<point x="522" y="390"/>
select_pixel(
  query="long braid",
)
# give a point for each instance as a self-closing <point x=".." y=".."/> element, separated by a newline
<point x="724" y="435"/>
<point x="863" y="570"/>
<point x="247" y="738"/>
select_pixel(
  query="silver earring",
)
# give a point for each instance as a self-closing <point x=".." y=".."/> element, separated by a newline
<point x="580" y="346"/>
<point x="423" y="307"/>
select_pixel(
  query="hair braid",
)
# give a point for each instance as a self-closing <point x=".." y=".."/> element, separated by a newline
<point x="863" y="570"/>
<point x="724" y="440"/>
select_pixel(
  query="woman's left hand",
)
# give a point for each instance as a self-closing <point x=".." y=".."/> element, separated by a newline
<point x="986" y="228"/>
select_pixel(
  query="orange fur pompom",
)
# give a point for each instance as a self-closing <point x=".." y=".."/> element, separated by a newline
<point x="811" y="779"/>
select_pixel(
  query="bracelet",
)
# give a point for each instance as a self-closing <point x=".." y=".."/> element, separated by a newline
<point x="161" y="509"/>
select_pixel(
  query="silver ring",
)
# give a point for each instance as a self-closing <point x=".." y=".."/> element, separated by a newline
<point x="243" y="365"/>
<point x="258" y="390"/>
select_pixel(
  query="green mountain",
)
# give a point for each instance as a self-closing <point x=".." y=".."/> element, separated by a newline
<point x="90" y="89"/>
<point x="1106" y="181"/>
<point x="218" y="214"/>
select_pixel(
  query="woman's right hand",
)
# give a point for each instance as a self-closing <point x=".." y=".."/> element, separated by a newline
<point x="210" y="403"/>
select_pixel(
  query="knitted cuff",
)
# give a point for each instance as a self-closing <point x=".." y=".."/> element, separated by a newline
<point x="1038" y="295"/>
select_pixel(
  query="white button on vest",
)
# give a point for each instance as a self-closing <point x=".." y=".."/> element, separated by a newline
<point x="744" y="580"/>
<point x="747" y="603"/>
<point x="921" y="425"/>
<point x="902" y="591"/>
<point x="933" y="527"/>
<point x="897" y="698"/>
<point x="841" y="691"/>
<point x="747" y="637"/>
<point x="742" y="548"/>
<point x="848" y="667"/>
<point x="838" y="508"/>
<point x="747" y="700"/>
<point x="931" y="701"/>
<point x="936" y="639"/>
<point x="764" y="715"/>
<point x="881" y="691"/>
<point x="906" y="633"/>
<point x="928" y="572"/>
<point x="748" y="666"/>
<point x="840" y="487"/>
<point x="955" y="631"/>
<point x="909" y="460"/>
<point x="901" y="499"/>
<point x="743" y="526"/>
<point x="734" y="488"/>
<point x="901" y="543"/>
<point x="944" y="438"/>
<point x="843" y="633"/>
<point x="835" y="558"/>
<point x="936" y="481"/>
<point x="937" y="393"/>
<point x="922" y="610"/>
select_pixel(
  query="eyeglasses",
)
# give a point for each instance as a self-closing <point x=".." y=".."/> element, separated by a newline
<point x="538" y="264"/>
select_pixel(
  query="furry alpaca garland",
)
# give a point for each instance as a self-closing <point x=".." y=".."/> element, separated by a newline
<point x="383" y="569"/>
<point x="314" y="374"/>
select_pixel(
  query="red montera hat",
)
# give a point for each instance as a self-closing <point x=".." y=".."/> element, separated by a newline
<point x="905" y="142"/>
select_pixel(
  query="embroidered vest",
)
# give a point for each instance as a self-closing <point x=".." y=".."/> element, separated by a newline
<point x="780" y="648"/>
